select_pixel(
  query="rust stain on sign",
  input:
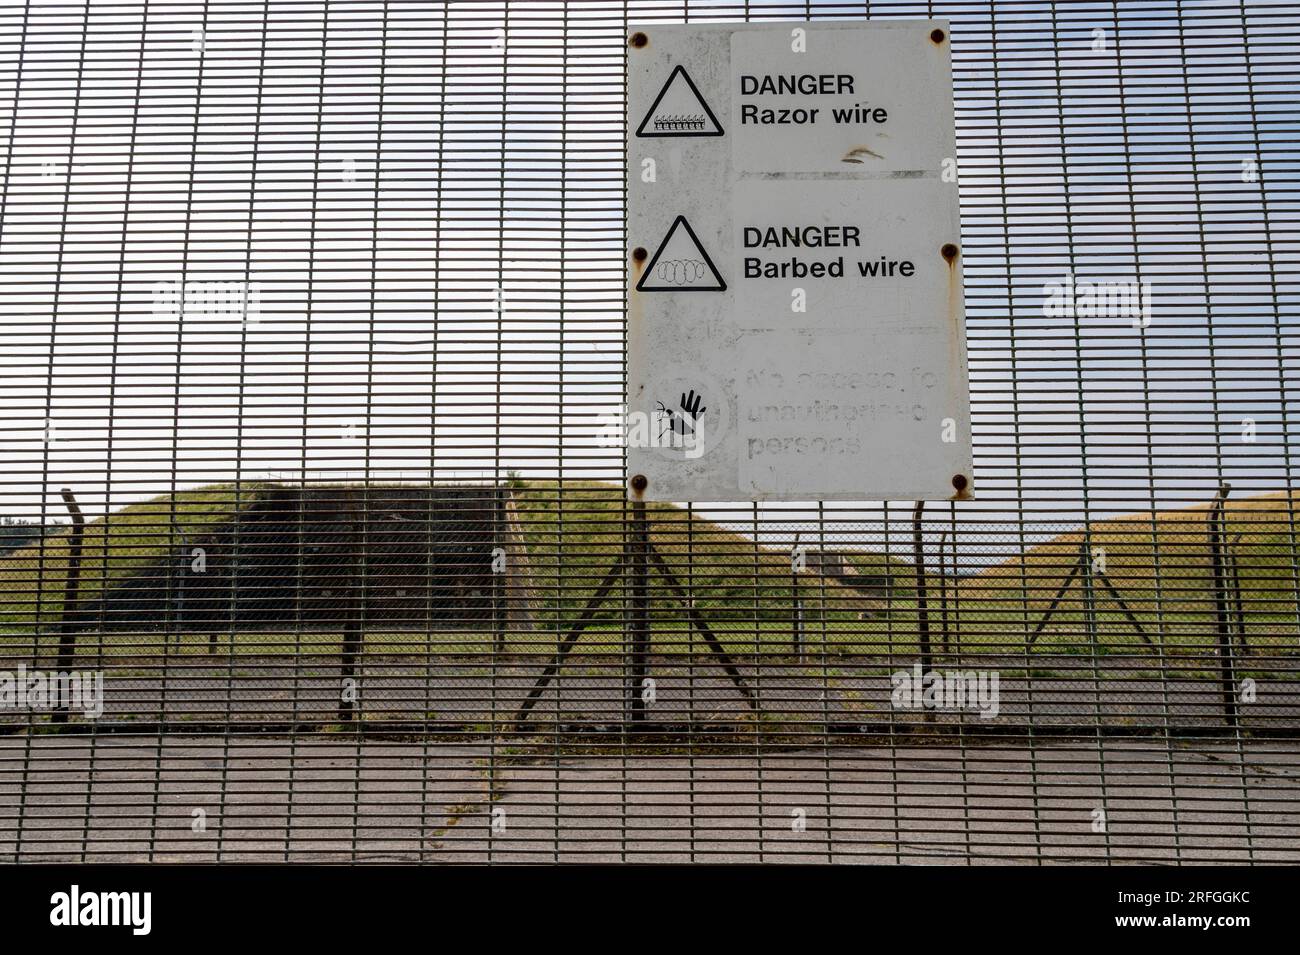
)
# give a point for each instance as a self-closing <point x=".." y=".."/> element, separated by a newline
<point x="961" y="483"/>
<point x="635" y="299"/>
<point x="638" y="485"/>
<point x="854" y="154"/>
<point x="954" y="297"/>
<point x="635" y="330"/>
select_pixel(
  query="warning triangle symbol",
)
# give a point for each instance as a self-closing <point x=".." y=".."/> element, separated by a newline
<point x="681" y="264"/>
<point x="679" y="110"/>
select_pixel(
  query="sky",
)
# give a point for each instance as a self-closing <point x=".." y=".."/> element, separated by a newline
<point x="424" y="203"/>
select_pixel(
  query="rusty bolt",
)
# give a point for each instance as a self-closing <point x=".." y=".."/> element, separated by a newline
<point x="639" y="483"/>
<point x="639" y="254"/>
<point x="937" y="35"/>
<point x="959" y="482"/>
<point x="949" y="251"/>
<point x="639" y="39"/>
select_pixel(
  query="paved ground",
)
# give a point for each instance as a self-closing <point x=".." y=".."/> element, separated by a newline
<point x="116" y="798"/>
<point x="1042" y="690"/>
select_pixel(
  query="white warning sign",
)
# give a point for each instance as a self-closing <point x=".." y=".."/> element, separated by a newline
<point x="829" y="360"/>
<point x="679" y="110"/>
<point x="680" y="264"/>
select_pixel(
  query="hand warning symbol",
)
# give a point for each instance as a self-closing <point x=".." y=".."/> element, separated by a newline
<point x="684" y="420"/>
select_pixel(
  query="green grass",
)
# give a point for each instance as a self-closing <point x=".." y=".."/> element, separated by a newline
<point x="1158" y="562"/>
<point x="897" y="634"/>
<point x="574" y="534"/>
<point x="1160" y="565"/>
<point x="113" y="547"/>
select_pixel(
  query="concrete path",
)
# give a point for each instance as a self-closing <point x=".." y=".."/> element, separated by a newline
<point x="203" y="799"/>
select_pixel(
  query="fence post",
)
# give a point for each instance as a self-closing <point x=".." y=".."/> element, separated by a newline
<point x="1088" y="571"/>
<point x="69" y="617"/>
<point x="234" y="597"/>
<point x="922" y="605"/>
<point x="1222" y="613"/>
<point x="639" y="565"/>
<point x="499" y="609"/>
<point x="1238" y="601"/>
<point x="352" y="611"/>
<point x="179" y="604"/>
<point x="943" y="592"/>
<point x="796" y="603"/>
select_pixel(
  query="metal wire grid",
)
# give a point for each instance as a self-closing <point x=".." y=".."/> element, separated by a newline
<point x="322" y="304"/>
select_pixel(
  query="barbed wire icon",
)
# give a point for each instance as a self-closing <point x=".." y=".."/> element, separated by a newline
<point x="681" y="263"/>
<point x="680" y="271"/>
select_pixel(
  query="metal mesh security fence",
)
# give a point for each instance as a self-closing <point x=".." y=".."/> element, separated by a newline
<point x="315" y="539"/>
